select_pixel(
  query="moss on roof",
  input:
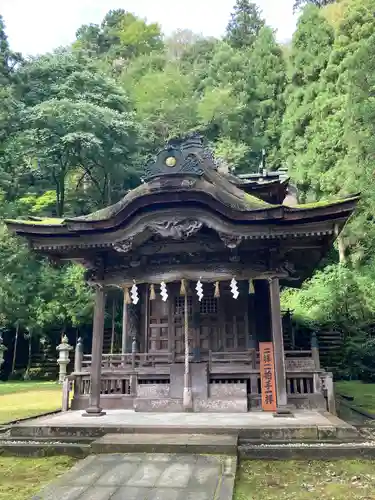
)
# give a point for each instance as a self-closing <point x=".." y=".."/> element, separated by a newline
<point x="323" y="203"/>
<point x="257" y="203"/>
<point x="48" y="221"/>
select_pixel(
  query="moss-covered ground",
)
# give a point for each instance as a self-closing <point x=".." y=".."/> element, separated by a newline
<point x="363" y="394"/>
<point x="316" y="480"/>
<point x="28" y="399"/>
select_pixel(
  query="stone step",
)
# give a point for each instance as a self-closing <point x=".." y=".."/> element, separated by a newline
<point x="265" y="434"/>
<point x="307" y="451"/>
<point x="166" y="443"/>
<point x="276" y="442"/>
<point x="25" y="439"/>
<point x="96" y="431"/>
<point x="42" y="448"/>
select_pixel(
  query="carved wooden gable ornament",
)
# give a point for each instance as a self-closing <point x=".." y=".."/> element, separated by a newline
<point x="181" y="157"/>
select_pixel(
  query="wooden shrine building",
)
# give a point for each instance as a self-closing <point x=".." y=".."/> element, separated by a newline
<point x="200" y="255"/>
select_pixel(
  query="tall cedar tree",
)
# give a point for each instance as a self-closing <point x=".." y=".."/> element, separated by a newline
<point x="265" y="99"/>
<point x="8" y="59"/>
<point x="355" y="79"/>
<point x="244" y="25"/>
<point x="327" y="165"/>
<point x="311" y="48"/>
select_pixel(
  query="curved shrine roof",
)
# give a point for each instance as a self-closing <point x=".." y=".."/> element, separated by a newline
<point x="184" y="181"/>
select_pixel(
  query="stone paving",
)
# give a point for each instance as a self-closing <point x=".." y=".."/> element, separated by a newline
<point x="114" y="418"/>
<point x="146" y="477"/>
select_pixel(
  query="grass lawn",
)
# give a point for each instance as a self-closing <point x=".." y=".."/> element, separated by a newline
<point x="318" y="480"/>
<point x="20" y="478"/>
<point x="363" y="394"/>
<point x="28" y="399"/>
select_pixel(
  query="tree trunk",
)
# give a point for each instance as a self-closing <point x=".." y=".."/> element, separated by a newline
<point x="15" y="347"/>
<point x="342" y="250"/>
<point x="29" y="356"/>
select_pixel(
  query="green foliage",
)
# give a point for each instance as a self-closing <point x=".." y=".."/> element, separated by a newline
<point x="120" y="36"/>
<point x="340" y="299"/>
<point x="309" y="56"/>
<point x="328" y="142"/>
<point x="245" y="24"/>
<point x="8" y="59"/>
<point x="318" y="3"/>
<point x="165" y="104"/>
<point x="77" y="125"/>
<point x="64" y="136"/>
<point x="264" y="99"/>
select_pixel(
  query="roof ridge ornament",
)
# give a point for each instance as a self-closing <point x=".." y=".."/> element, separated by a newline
<point x="181" y="156"/>
<point x="263" y="164"/>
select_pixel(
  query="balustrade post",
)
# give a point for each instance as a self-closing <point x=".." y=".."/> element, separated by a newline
<point x="252" y="347"/>
<point x="328" y="385"/>
<point x="134" y="352"/>
<point x="133" y="376"/>
<point x="315" y="350"/>
<point x="78" y="356"/>
<point x="317" y="384"/>
<point x="65" y="394"/>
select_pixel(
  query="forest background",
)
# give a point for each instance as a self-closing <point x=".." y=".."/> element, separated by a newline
<point x="78" y="124"/>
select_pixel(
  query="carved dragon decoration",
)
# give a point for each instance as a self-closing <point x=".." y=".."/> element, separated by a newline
<point x="176" y="229"/>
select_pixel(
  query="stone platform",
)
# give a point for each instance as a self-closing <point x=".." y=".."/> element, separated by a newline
<point x="305" y="425"/>
<point x="166" y="443"/>
<point x="146" y="477"/>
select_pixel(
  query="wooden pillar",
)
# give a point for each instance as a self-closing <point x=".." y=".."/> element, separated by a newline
<point x="278" y="343"/>
<point x="124" y="334"/>
<point x="130" y="324"/>
<point x="145" y="317"/>
<point x="187" y="395"/>
<point x="94" y="409"/>
<point x="262" y="307"/>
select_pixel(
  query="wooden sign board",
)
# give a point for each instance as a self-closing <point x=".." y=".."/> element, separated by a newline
<point x="267" y="376"/>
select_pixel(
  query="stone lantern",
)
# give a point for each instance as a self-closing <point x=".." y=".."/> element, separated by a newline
<point x="2" y="351"/>
<point x="63" y="360"/>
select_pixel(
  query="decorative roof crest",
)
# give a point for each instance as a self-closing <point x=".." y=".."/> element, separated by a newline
<point x="181" y="156"/>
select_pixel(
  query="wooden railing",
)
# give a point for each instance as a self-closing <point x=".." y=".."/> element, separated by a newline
<point x="245" y="358"/>
<point x="294" y="360"/>
<point x="299" y="383"/>
<point x="112" y="383"/>
<point x="123" y="383"/>
<point x="121" y="361"/>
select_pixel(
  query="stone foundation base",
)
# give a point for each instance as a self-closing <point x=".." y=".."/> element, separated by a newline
<point x="212" y="405"/>
<point x="158" y="405"/>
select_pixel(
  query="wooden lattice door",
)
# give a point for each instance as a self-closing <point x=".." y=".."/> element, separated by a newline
<point x="207" y="330"/>
<point x="203" y="326"/>
<point x="158" y="338"/>
<point x="235" y="315"/>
